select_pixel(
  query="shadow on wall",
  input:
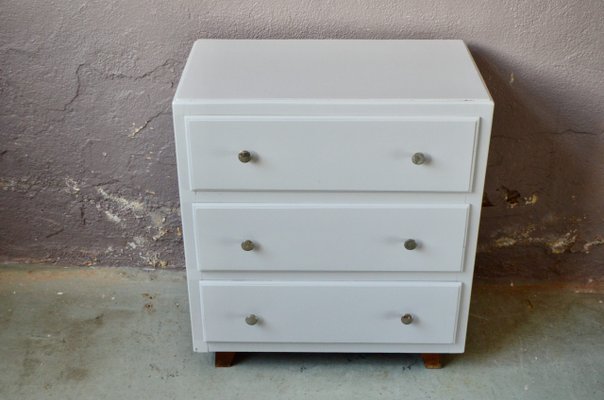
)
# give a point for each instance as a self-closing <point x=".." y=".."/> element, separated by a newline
<point x="539" y="183"/>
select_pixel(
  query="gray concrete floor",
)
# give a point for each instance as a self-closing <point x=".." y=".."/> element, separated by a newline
<point x="120" y="333"/>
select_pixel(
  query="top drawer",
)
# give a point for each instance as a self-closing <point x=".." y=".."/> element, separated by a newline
<point x="325" y="153"/>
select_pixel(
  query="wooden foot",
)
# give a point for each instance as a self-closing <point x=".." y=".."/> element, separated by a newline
<point x="223" y="359"/>
<point x="432" y="361"/>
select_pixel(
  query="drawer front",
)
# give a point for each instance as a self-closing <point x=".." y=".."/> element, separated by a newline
<point x="335" y="237"/>
<point x="350" y="154"/>
<point x="330" y="312"/>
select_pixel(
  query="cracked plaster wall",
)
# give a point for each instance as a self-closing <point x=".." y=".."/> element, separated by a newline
<point x="87" y="165"/>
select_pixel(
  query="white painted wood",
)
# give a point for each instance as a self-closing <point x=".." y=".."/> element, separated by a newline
<point x="330" y="237"/>
<point x="290" y="70"/>
<point x="330" y="312"/>
<point x="440" y="82"/>
<point x="346" y="153"/>
<point x="400" y="347"/>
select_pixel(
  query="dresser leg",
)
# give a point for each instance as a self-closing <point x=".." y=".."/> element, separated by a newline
<point x="432" y="361"/>
<point x="223" y="359"/>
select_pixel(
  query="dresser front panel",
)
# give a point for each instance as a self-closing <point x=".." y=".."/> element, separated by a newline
<point x="330" y="237"/>
<point x="330" y="312"/>
<point x="331" y="154"/>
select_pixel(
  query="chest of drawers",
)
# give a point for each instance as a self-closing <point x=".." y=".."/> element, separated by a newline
<point x="330" y="193"/>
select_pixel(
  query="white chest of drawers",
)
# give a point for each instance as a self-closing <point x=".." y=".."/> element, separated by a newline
<point x="330" y="193"/>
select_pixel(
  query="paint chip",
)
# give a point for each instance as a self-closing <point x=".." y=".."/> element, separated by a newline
<point x="512" y="197"/>
<point x="596" y="242"/>
<point x="112" y="217"/>
<point x="505" y="242"/>
<point x="563" y="243"/>
<point x="531" y="200"/>
<point x="72" y="186"/>
<point x="122" y="202"/>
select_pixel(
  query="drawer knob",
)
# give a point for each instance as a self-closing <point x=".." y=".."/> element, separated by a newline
<point x="247" y="245"/>
<point x="407" y="319"/>
<point x="251" y="319"/>
<point x="418" y="158"/>
<point x="410" y="244"/>
<point x="245" y="156"/>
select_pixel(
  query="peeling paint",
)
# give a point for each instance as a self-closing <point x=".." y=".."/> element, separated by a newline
<point x="72" y="186"/>
<point x="161" y="232"/>
<point x="158" y="219"/>
<point x="122" y="202"/>
<point x="596" y="242"/>
<point x="554" y="244"/>
<point x="563" y="243"/>
<point x="157" y="226"/>
<point x="7" y="183"/>
<point x="531" y="200"/>
<point x="112" y="217"/>
<point x="154" y="260"/>
<point x="139" y="240"/>
<point x="512" y="197"/>
<point x="505" y="242"/>
<point x="12" y="184"/>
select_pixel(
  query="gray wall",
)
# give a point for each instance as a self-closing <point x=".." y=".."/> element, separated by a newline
<point x="87" y="168"/>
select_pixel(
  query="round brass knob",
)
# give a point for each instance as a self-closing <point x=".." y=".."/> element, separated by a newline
<point x="251" y="319"/>
<point x="245" y="156"/>
<point x="247" y="245"/>
<point x="407" y="319"/>
<point x="410" y="244"/>
<point x="418" y="158"/>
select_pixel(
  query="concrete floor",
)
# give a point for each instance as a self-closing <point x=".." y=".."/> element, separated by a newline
<point x="107" y="333"/>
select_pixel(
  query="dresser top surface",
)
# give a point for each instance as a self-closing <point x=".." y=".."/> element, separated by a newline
<point x="330" y="70"/>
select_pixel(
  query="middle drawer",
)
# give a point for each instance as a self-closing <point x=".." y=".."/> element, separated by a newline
<point x="330" y="237"/>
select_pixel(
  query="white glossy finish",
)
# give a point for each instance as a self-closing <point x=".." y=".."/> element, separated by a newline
<point x="330" y="312"/>
<point x="334" y="237"/>
<point x="335" y="154"/>
<point x="230" y="85"/>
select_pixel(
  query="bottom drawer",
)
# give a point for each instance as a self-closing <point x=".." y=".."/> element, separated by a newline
<point x="330" y="312"/>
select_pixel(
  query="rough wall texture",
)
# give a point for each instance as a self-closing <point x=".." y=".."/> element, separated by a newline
<point x="87" y="165"/>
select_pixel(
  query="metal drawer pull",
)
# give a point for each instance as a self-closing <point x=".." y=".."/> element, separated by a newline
<point x="245" y="156"/>
<point x="247" y="245"/>
<point x="407" y="319"/>
<point x="410" y="244"/>
<point x="418" y="158"/>
<point x="251" y="319"/>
